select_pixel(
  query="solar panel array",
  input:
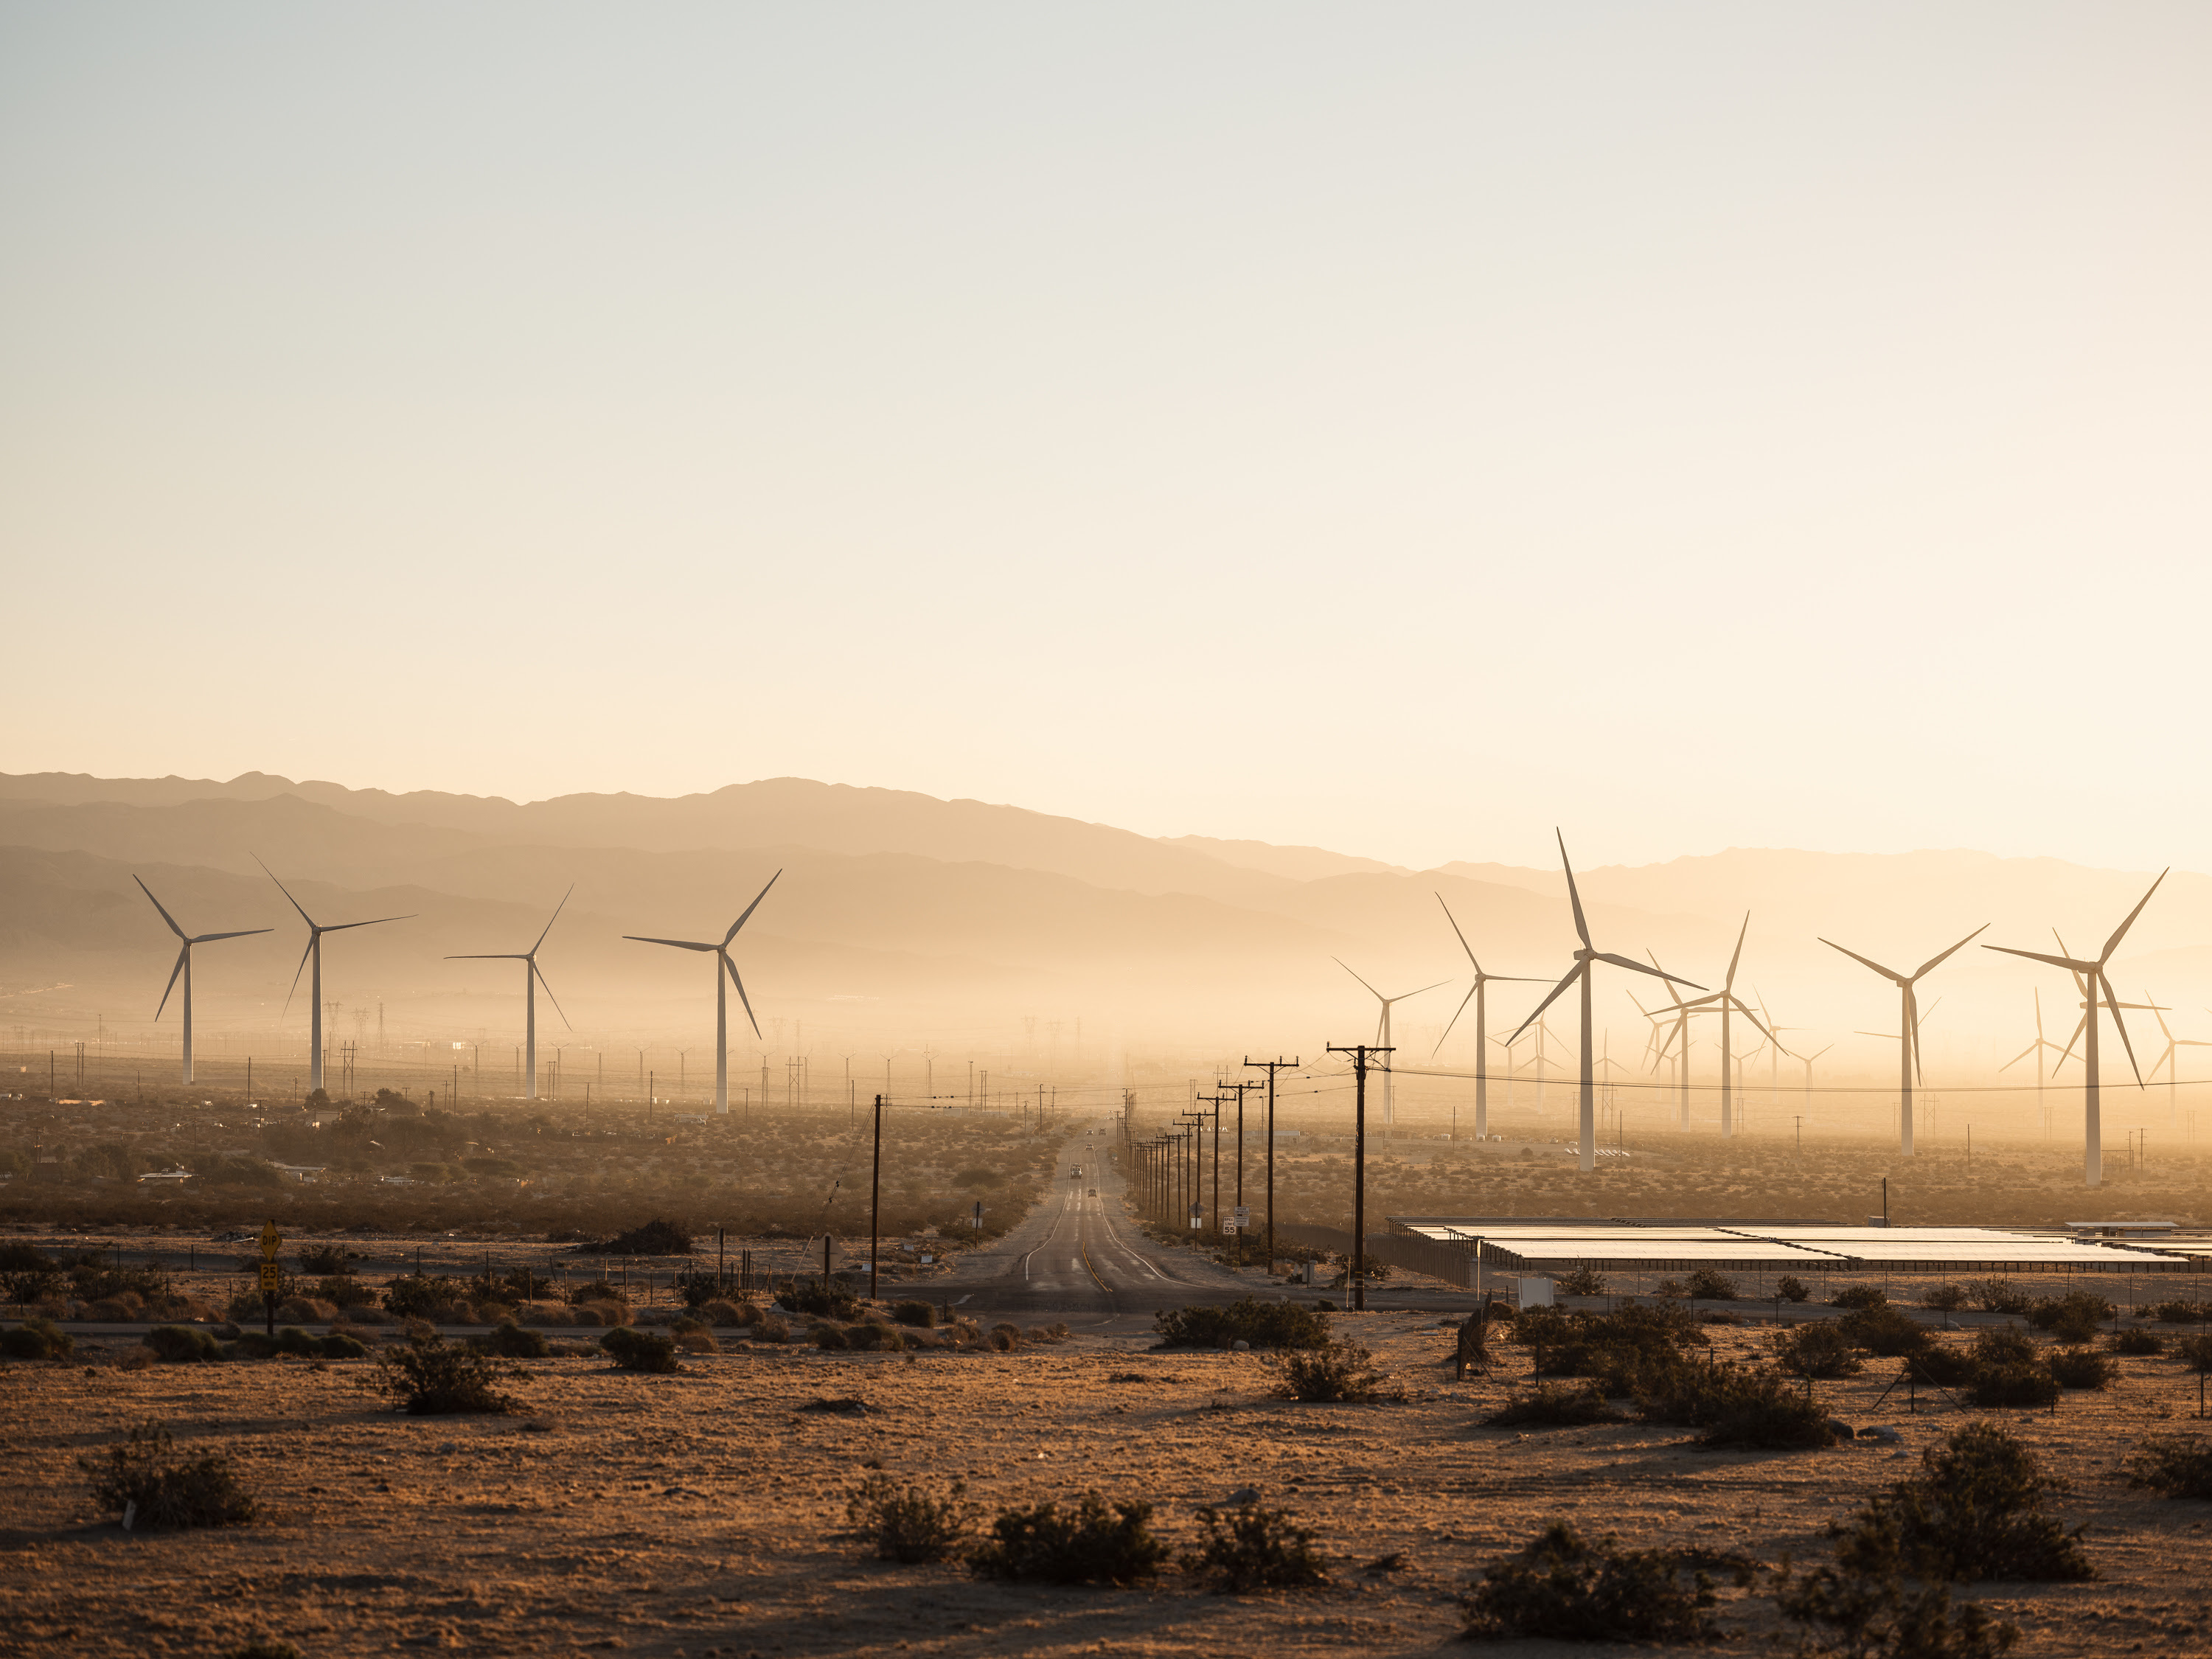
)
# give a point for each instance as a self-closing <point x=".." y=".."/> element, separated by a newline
<point x="1629" y="1247"/>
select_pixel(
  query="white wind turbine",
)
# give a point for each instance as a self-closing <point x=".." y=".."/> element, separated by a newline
<point x="1725" y="1003"/>
<point x="2036" y="1048"/>
<point x="532" y="976"/>
<point x="1481" y="1023"/>
<point x="185" y="966"/>
<point x="1908" y="1026"/>
<point x="2092" y="977"/>
<point x="721" y="994"/>
<point x="314" y="952"/>
<point x="1584" y="959"/>
<point x="1382" y="1036"/>
<point x="2171" y="1060"/>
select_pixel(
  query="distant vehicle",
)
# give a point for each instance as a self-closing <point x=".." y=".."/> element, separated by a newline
<point x="1076" y="1174"/>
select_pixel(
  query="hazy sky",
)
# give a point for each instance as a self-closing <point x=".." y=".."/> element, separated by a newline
<point x="1400" y="428"/>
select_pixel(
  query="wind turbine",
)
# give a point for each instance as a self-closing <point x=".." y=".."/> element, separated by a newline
<point x="2036" y="1048"/>
<point x="1382" y="1036"/>
<point x="2092" y="976"/>
<point x="1908" y="1063"/>
<point x="1584" y="958"/>
<point x="2171" y="1060"/>
<point x="1725" y="1002"/>
<point x="721" y="994"/>
<point x="185" y="966"/>
<point x="1481" y="1023"/>
<point x="1808" y="1059"/>
<point x="1680" y="1033"/>
<point x="532" y="976"/>
<point x="315" y="951"/>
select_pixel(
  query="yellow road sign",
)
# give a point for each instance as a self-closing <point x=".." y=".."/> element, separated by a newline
<point x="270" y="1238"/>
<point x="271" y="1277"/>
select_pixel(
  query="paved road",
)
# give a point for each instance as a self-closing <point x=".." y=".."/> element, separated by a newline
<point x="1081" y="1259"/>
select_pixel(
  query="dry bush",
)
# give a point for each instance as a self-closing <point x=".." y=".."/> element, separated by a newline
<point x="432" y="1378"/>
<point x="2178" y="1310"/>
<point x="1818" y="1348"/>
<point x="1552" y="1405"/>
<point x="829" y="1336"/>
<point x="1973" y="1512"/>
<point x="1094" y="1543"/>
<point x="1876" y="1618"/>
<point x="36" y="1338"/>
<point x="1997" y="1296"/>
<point x="717" y="1311"/>
<point x="1881" y="1329"/>
<point x="144" y="1479"/>
<point x="698" y="1339"/>
<point x="2180" y="1465"/>
<point x="137" y="1357"/>
<point x="551" y="1315"/>
<point x="2139" y="1344"/>
<point x="1944" y="1299"/>
<point x="872" y="1335"/>
<point x="1861" y="1297"/>
<point x="2073" y="1317"/>
<point x="2009" y="1370"/>
<point x="1047" y="1333"/>
<point x="1338" y="1374"/>
<point x="510" y="1341"/>
<point x="773" y="1327"/>
<point x="1260" y="1324"/>
<point x="306" y="1311"/>
<point x="1710" y="1285"/>
<point x="181" y="1344"/>
<point x="1790" y="1288"/>
<point x="1582" y="1281"/>
<point x="1005" y="1337"/>
<point x="1736" y="1406"/>
<point x="908" y="1525"/>
<point x="648" y="1352"/>
<point x="914" y="1313"/>
<point x="2082" y="1368"/>
<point x="1566" y="1587"/>
<point x="1251" y="1548"/>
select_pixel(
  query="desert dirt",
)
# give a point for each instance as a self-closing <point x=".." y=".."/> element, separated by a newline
<point x="703" y="1513"/>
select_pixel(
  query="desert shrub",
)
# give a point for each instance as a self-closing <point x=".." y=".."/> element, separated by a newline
<point x="719" y="1312"/>
<point x="138" y="1358"/>
<point x="773" y="1327"/>
<point x="1616" y="1348"/>
<point x="16" y="1256"/>
<point x="651" y="1351"/>
<point x="2003" y="1345"/>
<point x="655" y="1237"/>
<point x="829" y="1337"/>
<point x="1094" y="1542"/>
<point x="306" y="1311"/>
<point x="432" y="1378"/>
<point x="1710" y="1285"/>
<point x="1944" y="1299"/>
<point x="37" y="1338"/>
<point x="181" y="1343"/>
<point x="1338" y="1374"/>
<point x="2137" y="1343"/>
<point x="1251" y="1548"/>
<point x="1817" y="1348"/>
<point x="1790" y="1288"/>
<point x="294" y="1343"/>
<point x="697" y="1338"/>
<point x="1876" y="1618"/>
<point x="2073" y="1317"/>
<point x="872" y="1336"/>
<point x="1056" y="1331"/>
<point x="1582" y="1281"/>
<point x="2178" y="1311"/>
<point x="597" y="1289"/>
<point x="1997" y="1296"/>
<point x="142" y="1477"/>
<point x="698" y="1285"/>
<point x="2008" y="1371"/>
<point x="914" y="1313"/>
<point x="1883" y="1330"/>
<point x="343" y="1291"/>
<point x="1944" y="1366"/>
<point x="322" y="1259"/>
<point x="811" y="1296"/>
<point x="1859" y="1296"/>
<point x="906" y="1523"/>
<point x="34" y="1282"/>
<point x="1262" y="1324"/>
<point x="422" y="1295"/>
<point x="1973" y="1512"/>
<point x="1735" y="1405"/>
<point x="2082" y="1368"/>
<point x="1566" y="1587"/>
<point x="1551" y="1405"/>
<point x="2179" y="1467"/>
<point x="1005" y="1337"/>
<point x="1669" y="1290"/>
<point x="510" y="1341"/>
<point x="2194" y="1351"/>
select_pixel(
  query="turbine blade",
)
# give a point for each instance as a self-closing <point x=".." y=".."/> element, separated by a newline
<point x="2114" y="997"/>
<point x="1730" y="983"/>
<point x="2067" y="1053"/>
<point x="1554" y="997"/>
<point x="296" y="972"/>
<point x="1809" y="1058"/>
<point x="2017" y="1057"/>
<point x="680" y="944"/>
<point x="1371" y="991"/>
<point x="742" y="998"/>
<point x="1938" y="956"/>
<point x="339" y="927"/>
<point x="243" y="932"/>
<point x="1574" y="893"/>
<point x="1629" y="963"/>
<point x="1911" y="1025"/>
<point x="1402" y="995"/>
<point x="549" y="997"/>
<point x="550" y="920"/>
<point x="1892" y="976"/>
<point x="285" y="890"/>
<point x="2077" y="968"/>
<point x="1463" y="944"/>
<point x="2120" y="931"/>
<point x="490" y="955"/>
<point x="1453" y="1020"/>
<point x="165" y="917"/>
<point x="749" y="909"/>
<point x="1744" y="1009"/>
<point x="182" y="954"/>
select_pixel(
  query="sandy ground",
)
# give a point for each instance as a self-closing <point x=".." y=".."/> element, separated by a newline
<point x="704" y="1514"/>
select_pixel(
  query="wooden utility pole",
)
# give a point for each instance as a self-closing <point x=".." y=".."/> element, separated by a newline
<point x="1239" y="1184"/>
<point x="1360" y="1063"/>
<point x="1271" y="1066"/>
<point x="875" y="1202"/>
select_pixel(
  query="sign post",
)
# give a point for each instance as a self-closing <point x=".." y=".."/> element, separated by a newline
<point x="271" y="1275"/>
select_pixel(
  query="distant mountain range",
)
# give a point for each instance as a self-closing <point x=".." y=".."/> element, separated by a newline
<point x="902" y="916"/>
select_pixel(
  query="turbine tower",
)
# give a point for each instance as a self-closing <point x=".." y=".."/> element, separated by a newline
<point x="185" y="966"/>
<point x="314" y="952"/>
<point x="1584" y="958"/>
<point x="532" y="975"/>
<point x="722" y="993"/>
<point x="2093" y="977"/>
<point x="1725" y="1003"/>
<point x="1481" y="1023"/>
<point x="1908" y="1044"/>
<point x="1382" y="1036"/>
<point x="2036" y="1048"/>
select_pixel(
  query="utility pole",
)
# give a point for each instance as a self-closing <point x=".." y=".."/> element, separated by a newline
<point x="875" y="1203"/>
<point x="1271" y="1066"/>
<point x="1240" y="1088"/>
<point x="1360" y="1063"/>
